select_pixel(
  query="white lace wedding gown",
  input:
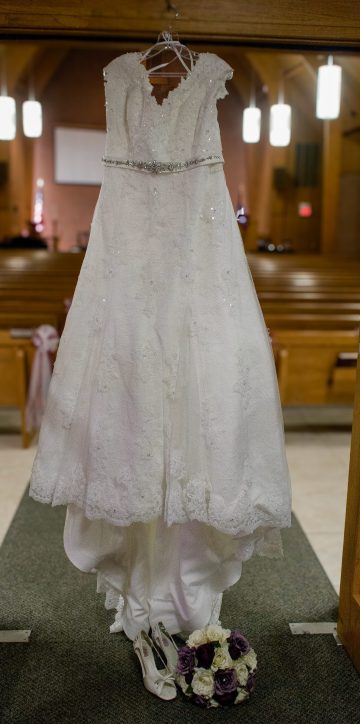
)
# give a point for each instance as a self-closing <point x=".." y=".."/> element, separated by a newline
<point x="163" y="430"/>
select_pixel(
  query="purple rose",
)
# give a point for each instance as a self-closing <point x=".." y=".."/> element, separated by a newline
<point x="189" y="677"/>
<point x="225" y="681"/>
<point x="238" y="645"/>
<point x="205" y="654"/>
<point x="250" y="684"/>
<point x="225" y="699"/>
<point x="186" y="660"/>
<point x="199" y="700"/>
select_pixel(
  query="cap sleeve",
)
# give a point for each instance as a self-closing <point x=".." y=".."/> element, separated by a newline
<point x="224" y="72"/>
<point x="115" y="67"/>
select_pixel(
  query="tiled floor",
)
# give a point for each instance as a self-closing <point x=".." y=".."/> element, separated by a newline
<point x="318" y="447"/>
<point x="318" y="465"/>
<point x="15" y="467"/>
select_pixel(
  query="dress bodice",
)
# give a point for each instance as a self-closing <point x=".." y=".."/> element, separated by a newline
<point x="182" y="130"/>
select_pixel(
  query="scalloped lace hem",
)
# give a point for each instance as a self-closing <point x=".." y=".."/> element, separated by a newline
<point x="262" y="537"/>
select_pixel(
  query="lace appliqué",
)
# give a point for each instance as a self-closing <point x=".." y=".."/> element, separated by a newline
<point x="108" y="372"/>
<point x="221" y="89"/>
<point x="194" y="498"/>
<point x="243" y="383"/>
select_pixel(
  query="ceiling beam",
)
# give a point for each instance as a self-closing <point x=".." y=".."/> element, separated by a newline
<point x="281" y="23"/>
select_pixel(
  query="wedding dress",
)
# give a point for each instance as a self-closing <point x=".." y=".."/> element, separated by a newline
<point x="163" y="430"/>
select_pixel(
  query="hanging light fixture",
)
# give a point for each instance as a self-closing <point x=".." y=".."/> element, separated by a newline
<point x="280" y="124"/>
<point x="280" y="121"/>
<point x="251" y="119"/>
<point x="7" y="118"/>
<point x="328" y="90"/>
<point x="7" y="110"/>
<point x="32" y="118"/>
<point x="251" y="124"/>
<point x="32" y="112"/>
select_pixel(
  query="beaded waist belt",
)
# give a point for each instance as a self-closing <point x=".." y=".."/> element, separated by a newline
<point x="160" y="166"/>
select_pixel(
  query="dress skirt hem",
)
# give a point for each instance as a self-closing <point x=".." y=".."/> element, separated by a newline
<point x="175" y="574"/>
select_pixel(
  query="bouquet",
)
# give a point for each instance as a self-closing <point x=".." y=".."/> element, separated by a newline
<point x="216" y="667"/>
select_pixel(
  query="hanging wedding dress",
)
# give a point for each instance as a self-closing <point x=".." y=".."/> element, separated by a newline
<point x="163" y="430"/>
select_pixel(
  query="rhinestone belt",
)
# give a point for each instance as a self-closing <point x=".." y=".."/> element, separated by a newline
<point x="159" y="166"/>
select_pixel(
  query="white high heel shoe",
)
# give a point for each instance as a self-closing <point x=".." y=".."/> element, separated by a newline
<point x="158" y="681"/>
<point x="165" y="643"/>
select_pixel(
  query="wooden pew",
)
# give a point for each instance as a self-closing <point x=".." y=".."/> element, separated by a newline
<point x="311" y="304"/>
<point x="306" y="363"/>
<point x="34" y="286"/>
<point x="16" y="357"/>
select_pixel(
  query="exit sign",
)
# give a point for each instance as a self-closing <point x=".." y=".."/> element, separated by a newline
<point x="305" y="209"/>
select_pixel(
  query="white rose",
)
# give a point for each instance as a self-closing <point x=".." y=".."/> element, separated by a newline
<point x="203" y="683"/>
<point x="222" y="659"/>
<point x="241" y="672"/>
<point x="241" y="696"/>
<point x="250" y="659"/>
<point x="217" y="633"/>
<point x="196" y="638"/>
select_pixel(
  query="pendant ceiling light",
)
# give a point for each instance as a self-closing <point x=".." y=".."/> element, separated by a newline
<point x="328" y="91"/>
<point x="251" y="124"/>
<point x="280" y="122"/>
<point x="32" y="110"/>
<point x="7" y="118"/>
<point x="32" y="118"/>
<point x="7" y="110"/>
<point x="251" y="119"/>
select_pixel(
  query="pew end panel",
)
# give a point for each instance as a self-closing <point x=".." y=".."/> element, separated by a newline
<point x="307" y="366"/>
<point x="16" y="357"/>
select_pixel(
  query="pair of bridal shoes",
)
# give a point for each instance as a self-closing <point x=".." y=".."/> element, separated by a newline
<point x="160" y="682"/>
<point x="166" y="644"/>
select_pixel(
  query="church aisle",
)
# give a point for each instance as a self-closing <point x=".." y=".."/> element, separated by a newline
<point x="74" y="670"/>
